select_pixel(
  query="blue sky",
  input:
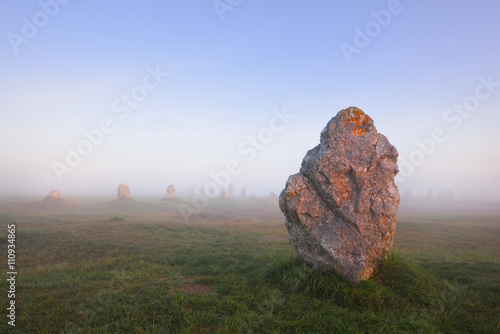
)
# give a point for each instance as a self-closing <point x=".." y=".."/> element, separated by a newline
<point x="225" y="78"/>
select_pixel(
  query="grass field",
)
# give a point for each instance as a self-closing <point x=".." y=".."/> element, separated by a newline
<point x="98" y="268"/>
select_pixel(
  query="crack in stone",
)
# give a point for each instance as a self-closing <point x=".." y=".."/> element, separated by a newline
<point x="332" y="209"/>
<point x="352" y="177"/>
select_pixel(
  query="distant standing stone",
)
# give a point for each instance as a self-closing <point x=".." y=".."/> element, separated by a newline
<point x="244" y="192"/>
<point x="224" y="194"/>
<point x="123" y="191"/>
<point x="171" y="193"/>
<point x="54" y="194"/>
<point x="54" y="198"/>
<point x="340" y="209"/>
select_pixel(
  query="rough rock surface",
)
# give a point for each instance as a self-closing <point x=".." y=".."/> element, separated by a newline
<point x="244" y="192"/>
<point x="54" y="198"/>
<point x="123" y="191"/>
<point x="171" y="193"/>
<point x="340" y="209"/>
<point x="224" y="194"/>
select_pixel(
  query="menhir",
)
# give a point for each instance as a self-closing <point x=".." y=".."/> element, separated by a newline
<point x="54" y="198"/>
<point x="123" y="192"/>
<point x="340" y="209"/>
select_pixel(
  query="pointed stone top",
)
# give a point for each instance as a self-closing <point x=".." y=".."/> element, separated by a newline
<point x="350" y="122"/>
<point x="355" y="118"/>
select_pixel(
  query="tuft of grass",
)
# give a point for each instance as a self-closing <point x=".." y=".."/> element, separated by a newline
<point x="397" y="280"/>
<point x="291" y="275"/>
<point x="399" y="289"/>
<point x="401" y="275"/>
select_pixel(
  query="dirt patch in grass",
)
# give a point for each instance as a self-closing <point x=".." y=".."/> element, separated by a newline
<point x="190" y="286"/>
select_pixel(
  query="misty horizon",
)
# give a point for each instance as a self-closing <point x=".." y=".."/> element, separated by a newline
<point x="171" y="93"/>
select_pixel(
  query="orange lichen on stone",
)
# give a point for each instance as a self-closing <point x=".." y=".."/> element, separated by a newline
<point x="291" y="194"/>
<point x="356" y="117"/>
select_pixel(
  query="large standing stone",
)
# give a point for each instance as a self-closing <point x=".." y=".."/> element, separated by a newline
<point x="341" y="207"/>
<point x="171" y="193"/>
<point x="123" y="191"/>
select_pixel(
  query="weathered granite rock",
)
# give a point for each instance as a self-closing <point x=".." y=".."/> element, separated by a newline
<point x="244" y="192"/>
<point x="224" y="194"/>
<point x="54" y="198"/>
<point x="341" y="207"/>
<point x="123" y="192"/>
<point x="171" y="193"/>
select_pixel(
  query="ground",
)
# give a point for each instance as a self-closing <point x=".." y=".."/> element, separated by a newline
<point x="101" y="268"/>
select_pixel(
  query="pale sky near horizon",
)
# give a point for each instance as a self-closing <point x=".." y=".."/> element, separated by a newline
<point x="416" y="67"/>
